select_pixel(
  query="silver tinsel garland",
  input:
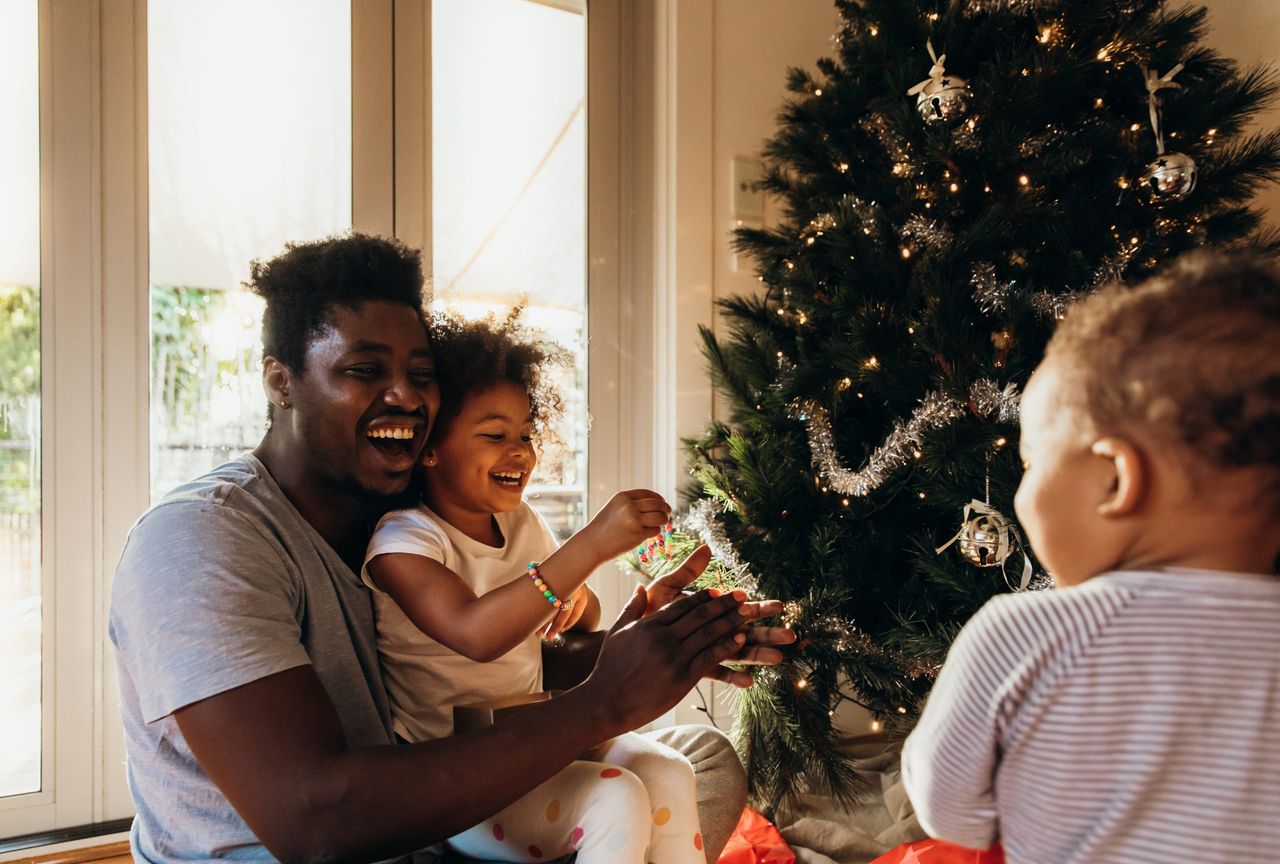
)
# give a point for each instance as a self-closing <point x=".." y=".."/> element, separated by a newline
<point x="899" y="447"/>
<point x="847" y="638"/>
<point x="990" y="293"/>
<point x="1018" y="7"/>
<point x="987" y="398"/>
<point x="703" y="519"/>
<point x="926" y="233"/>
<point x="990" y="400"/>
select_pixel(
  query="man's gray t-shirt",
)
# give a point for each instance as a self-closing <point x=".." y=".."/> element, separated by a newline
<point x="220" y="584"/>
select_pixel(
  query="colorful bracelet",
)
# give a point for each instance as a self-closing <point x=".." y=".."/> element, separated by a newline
<point x="543" y="587"/>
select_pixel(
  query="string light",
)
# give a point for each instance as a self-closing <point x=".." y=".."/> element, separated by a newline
<point x="1097" y="103"/>
<point x="876" y="725"/>
<point x="1024" y="180"/>
<point x="873" y="30"/>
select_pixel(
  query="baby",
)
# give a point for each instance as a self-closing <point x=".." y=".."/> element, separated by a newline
<point x="1133" y="715"/>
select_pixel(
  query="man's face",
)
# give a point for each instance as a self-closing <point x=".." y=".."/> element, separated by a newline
<point x="1063" y="485"/>
<point x="361" y="411"/>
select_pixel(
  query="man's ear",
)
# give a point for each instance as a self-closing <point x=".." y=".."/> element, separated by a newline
<point x="1130" y="478"/>
<point x="276" y="378"/>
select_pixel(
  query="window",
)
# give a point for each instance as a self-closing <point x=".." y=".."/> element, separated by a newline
<point x="509" y="195"/>
<point x="241" y="162"/>
<point x="151" y="148"/>
<point x="20" y="588"/>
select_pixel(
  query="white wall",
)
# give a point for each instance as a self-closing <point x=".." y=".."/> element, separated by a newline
<point x="1248" y="31"/>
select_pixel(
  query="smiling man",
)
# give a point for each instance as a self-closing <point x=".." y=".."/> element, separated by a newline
<point x="255" y="717"/>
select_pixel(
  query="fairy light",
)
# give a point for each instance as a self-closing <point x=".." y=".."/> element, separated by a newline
<point x="902" y="709"/>
<point x="1135" y="127"/>
<point x="1046" y="34"/>
<point x="846" y="383"/>
<point x="955" y="187"/>
<point x="801" y="683"/>
<point x="873" y="30"/>
<point x="871" y="363"/>
<point x="1123" y="183"/>
<point x="911" y="329"/>
<point x="817" y="92"/>
<point x="1103" y="54"/>
<point x="1000" y="442"/>
<point x="876" y="725"/>
<point x="906" y="253"/>
<point x="1024" y="180"/>
<point x="844" y="166"/>
<point x="920" y="495"/>
<point x="1097" y="103"/>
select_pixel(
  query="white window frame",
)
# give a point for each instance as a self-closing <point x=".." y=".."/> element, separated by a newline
<point x="95" y="321"/>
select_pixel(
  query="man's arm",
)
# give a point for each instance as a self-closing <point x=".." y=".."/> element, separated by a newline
<point x="275" y="746"/>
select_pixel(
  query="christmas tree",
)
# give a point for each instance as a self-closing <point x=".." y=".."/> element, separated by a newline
<point x="950" y="181"/>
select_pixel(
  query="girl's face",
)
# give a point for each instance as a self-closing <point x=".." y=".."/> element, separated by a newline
<point x="483" y="461"/>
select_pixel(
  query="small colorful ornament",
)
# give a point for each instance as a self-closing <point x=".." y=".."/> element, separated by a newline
<point x="940" y="98"/>
<point x="1172" y="176"/>
<point x="658" y="546"/>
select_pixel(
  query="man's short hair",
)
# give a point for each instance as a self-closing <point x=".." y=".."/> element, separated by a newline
<point x="303" y="285"/>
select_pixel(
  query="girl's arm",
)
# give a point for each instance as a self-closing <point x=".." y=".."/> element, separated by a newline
<point x="483" y="628"/>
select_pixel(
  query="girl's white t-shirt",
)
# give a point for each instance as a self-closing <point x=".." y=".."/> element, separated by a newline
<point x="424" y="678"/>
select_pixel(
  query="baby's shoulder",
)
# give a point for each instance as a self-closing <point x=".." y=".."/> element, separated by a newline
<point x="1052" y="617"/>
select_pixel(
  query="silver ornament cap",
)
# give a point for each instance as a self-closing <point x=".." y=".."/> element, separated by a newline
<point x="1171" y="177"/>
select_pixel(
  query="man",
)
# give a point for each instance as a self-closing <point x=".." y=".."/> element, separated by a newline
<point x="255" y="718"/>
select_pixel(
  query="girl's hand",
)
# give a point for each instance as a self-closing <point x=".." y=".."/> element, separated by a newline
<point x="569" y="615"/>
<point x="627" y="519"/>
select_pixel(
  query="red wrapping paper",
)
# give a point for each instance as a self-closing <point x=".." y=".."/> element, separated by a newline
<point x="940" y="852"/>
<point x="756" y="841"/>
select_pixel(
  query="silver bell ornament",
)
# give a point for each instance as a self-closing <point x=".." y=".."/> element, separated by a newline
<point x="940" y="98"/>
<point x="1171" y="177"/>
<point x="987" y="538"/>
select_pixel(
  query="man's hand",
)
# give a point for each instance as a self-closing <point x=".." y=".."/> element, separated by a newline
<point x="648" y="664"/>
<point x="756" y="650"/>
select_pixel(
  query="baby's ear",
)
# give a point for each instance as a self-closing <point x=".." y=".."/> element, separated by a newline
<point x="1128" y="473"/>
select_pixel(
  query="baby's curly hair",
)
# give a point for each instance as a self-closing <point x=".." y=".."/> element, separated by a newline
<point x="1191" y="357"/>
<point x="303" y="284"/>
<point x="474" y="356"/>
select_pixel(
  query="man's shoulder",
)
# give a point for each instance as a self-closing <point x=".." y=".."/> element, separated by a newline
<point x="236" y="500"/>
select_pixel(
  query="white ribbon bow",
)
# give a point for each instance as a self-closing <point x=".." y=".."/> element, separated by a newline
<point x="936" y="73"/>
<point x="1156" y="83"/>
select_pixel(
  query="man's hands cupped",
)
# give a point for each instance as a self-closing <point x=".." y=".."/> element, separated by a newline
<point x="665" y="641"/>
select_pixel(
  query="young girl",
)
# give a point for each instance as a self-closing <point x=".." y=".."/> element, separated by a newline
<point x="1134" y="714"/>
<point x="464" y="582"/>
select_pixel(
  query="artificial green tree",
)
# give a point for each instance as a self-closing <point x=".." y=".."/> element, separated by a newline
<point x="938" y="217"/>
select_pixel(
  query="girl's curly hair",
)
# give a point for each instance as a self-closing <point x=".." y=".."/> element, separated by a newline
<point x="474" y="356"/>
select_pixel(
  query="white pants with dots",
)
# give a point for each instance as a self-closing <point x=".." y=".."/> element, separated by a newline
<point x="632" y="802"/>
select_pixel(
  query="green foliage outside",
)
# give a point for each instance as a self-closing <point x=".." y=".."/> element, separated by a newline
<point x="19" y="398"/>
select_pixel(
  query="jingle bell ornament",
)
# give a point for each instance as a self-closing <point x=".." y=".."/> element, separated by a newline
<point x="940" y="98"/>
<point x="1171" y="177"/>
<point x="987" y="538"/>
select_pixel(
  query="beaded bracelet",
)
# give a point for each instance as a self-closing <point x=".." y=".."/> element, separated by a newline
<point x="543" y="587"/>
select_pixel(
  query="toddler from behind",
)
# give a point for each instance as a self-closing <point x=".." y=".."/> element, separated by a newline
<point x="1132" y="715"/>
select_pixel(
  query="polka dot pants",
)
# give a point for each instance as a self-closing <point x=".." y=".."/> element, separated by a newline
<point x="632" y="802"/>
